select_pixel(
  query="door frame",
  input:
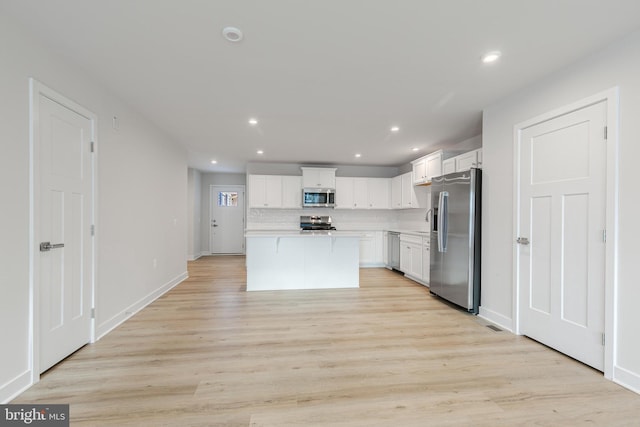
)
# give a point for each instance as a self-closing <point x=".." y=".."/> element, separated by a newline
<point x="611" y="97"/>
<point x="37" y="89"/>
<point x="241" y="188"/>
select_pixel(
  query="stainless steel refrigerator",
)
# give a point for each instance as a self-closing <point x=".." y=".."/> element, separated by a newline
<point x="455" y="238"/>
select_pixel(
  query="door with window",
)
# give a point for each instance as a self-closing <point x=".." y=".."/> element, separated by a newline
<point x="227" y="219"/>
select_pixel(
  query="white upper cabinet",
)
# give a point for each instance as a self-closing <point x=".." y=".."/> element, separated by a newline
<point x="404" y="195"/>
<point x="448" y="166"/>
<point x="379" y="193"/>
<point x="318" y="177"/>
<point x="427" y="167"/>
<point x="344" y="193"/>
<point x="463" y="162"/>
<point x="362" y="193"/>
<point x="467" y="161"/>
<point x="265" y="191"/>
<point x="420" y="170"/>
<point x="409" y="199"/>
<point x="291" y="192"/>
<point x="396" y="192"/>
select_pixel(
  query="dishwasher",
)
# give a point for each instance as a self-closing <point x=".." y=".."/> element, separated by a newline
<point x="393" y="248"/>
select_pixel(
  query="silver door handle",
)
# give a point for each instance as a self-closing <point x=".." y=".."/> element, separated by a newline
<point x="522" y="241"/>
<point x="47" y="246"/>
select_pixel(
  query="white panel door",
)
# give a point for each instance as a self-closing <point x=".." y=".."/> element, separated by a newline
<point x="562" y="197"/>
<point x="227" y="219"/>
<point x="65" y="212"/>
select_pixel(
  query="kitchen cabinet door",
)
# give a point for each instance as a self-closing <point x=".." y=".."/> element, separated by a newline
<point x="405" y="257"/>
<point x="420" y="171"/>
<point x="408" y="194"/>
<point x="379" y="197"/>
<point x="360" y="193"/>
<point x="415" y="270"/>
<point x="433" y="165"/>
<point x="319" y="177"/>
<point x="426" y="260"/>
<point x="344" y="193"/>
<point x="265" y="191"/>
<point x="292" y="192"/>
<point x="466" y="161"/>
<point x="396" y="192"/>
<point x="449" y="166"/>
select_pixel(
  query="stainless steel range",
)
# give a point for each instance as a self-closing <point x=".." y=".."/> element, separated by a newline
<point x="315" y="223"/>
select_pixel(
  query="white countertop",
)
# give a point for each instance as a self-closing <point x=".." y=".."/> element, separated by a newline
<point x="298" y="233"/>
<point x="412" y="232"/>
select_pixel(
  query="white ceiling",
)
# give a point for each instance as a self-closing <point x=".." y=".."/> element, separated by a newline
<point x="326" y="79"/>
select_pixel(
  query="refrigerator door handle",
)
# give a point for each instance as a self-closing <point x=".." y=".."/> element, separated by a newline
<point x="443" y="199"/>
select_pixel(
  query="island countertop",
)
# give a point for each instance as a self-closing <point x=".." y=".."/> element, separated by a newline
<point x="299" y="233"/>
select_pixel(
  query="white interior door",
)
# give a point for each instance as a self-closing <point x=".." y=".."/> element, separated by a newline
<point x="562" y="216"/>
<point x="65" y="218"/>
<point x="227" y="219"/>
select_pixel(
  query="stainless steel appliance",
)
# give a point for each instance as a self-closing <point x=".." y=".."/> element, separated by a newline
<point x="318" y="198"/>
<point x="315" y="223"/>
<point x="393" y="250"/>
<point x="455" y="238"/>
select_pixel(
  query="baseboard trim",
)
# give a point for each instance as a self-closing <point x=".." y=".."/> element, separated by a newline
<point x="497" y="318"/>
<point x="626" y="379"/>
<point x="192" y="257"/>
<point x="116" y="320"/>
<point x="372" y="265"/>
<point x="14" y="387"/>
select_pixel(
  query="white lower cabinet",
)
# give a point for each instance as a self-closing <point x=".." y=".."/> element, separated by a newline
<point x="411" y="256"/>
<point x="426" y="260"/>
<point x="371" y="249"/>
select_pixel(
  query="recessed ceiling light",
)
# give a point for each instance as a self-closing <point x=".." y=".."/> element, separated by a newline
<point x="213" y="162"/>
<point x="253" y="122"/>
<point x="260" y="152"/>
<point x="358" y="155"/>
<point x="232" y="34"/>
<point x="395" y="129"/>
<point x="415" y="149"/>
<point x="490" y="57"/>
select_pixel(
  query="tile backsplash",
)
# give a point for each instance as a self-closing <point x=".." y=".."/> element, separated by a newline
<point x="289" y="219"/>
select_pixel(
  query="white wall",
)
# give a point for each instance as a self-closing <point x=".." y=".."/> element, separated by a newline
<point x="194" y="213"/>
<point x="616" y="65"/>
<point x="142" y="182"/>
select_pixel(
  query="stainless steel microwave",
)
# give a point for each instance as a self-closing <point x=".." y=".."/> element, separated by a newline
<point x="318" y="198"/>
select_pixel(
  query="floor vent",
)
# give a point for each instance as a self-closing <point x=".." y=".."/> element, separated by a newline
<point x="495" y="328"/>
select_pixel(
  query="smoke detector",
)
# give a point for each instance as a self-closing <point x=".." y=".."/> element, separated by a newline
<point x="232" y="34"/>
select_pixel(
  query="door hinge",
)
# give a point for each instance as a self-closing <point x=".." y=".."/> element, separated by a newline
<point x="603" y="339"/>
<point x="605" y="132"/>
<point x="93" y="230"/>
<point x="93" y="148"/>
<point x="93" y="313"/>
<point x="604" y="236"/>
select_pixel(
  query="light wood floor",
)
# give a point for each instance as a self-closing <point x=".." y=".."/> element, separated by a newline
<point x="388" y="354"/>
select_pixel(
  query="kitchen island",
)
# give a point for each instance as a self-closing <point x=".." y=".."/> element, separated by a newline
<point x="278" y="260"/>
